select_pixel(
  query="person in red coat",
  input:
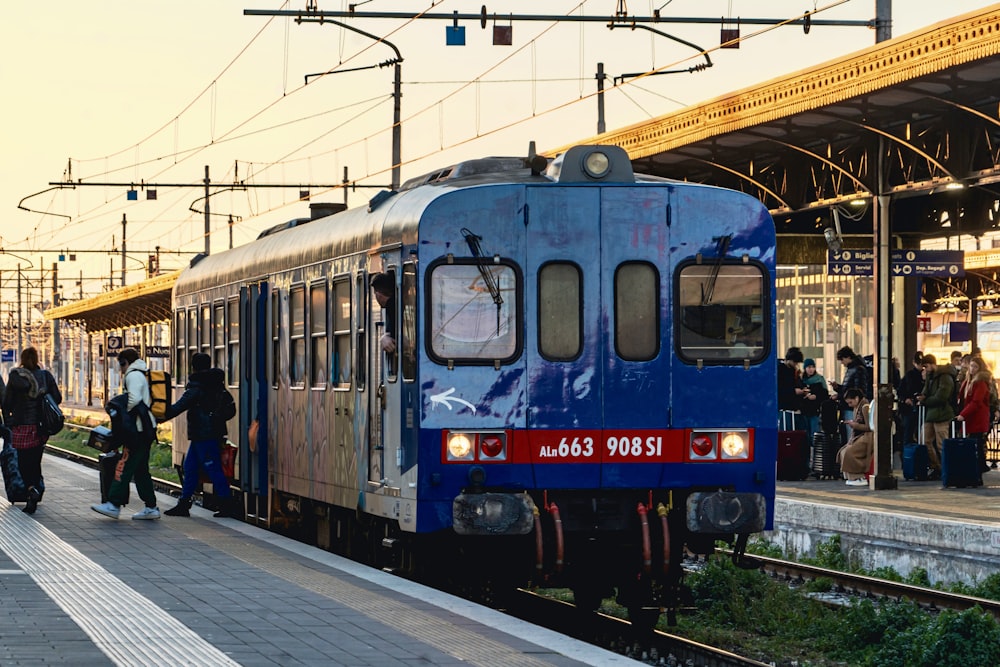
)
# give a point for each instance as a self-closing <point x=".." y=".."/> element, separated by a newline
<point x="974" y="405"/>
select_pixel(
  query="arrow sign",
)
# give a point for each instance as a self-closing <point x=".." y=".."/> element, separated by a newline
<point x="904" y="263"/>
<point x="445" y="398"/>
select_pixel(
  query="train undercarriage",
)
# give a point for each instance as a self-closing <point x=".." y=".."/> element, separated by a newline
<point x="599" y="547"/>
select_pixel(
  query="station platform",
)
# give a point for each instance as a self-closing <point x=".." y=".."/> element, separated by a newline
<point x="952" y="533"/>
<point x="79" y="588"/>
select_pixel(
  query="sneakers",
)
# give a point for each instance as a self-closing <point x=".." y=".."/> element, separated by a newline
<point x="146" y="513"/>
<point x="857" y="482"/>
<point x="107" y="509"/>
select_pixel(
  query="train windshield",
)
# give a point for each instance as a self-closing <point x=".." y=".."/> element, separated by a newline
<point x="466" y="323"/>
<point x="721" y="316"/>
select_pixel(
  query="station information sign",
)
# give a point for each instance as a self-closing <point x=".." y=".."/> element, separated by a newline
<point x="903" y="263"/>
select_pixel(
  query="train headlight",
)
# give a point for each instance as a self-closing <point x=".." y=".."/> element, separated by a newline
<point x="702" y="446"/>
<point x="734" y="446"/>
<point x="459" y="447"/>
<point x="597" y="164"/>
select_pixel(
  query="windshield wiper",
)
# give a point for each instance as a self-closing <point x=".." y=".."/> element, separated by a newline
<point x="484" y="271"/>
<point x="708" y="289"/>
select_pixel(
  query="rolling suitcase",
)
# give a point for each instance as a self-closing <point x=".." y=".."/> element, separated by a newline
<point x="793" y="455"/>
<point x="960" y="460"/>
<point x="915" y="461"/>
<point x="13" y="484"/>
<point x="823" y="459"/>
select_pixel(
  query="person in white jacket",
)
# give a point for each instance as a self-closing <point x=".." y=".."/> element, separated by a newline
<point x="140" y="431"/>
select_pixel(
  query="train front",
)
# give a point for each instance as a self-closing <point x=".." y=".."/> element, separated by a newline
<point x="599" y="383"/>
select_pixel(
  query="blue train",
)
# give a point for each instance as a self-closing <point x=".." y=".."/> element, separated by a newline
<point x="583" y="383"/>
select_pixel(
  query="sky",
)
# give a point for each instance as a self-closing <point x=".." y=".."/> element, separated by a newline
<point x="147" y="93"/>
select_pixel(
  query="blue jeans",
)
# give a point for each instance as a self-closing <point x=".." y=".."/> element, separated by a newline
<point x="204" y="454"/>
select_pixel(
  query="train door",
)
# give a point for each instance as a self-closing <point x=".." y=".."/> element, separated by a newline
<point x="254" y="340"/>
<point x="563" y="357"/>
<point x="384" y="372"/>
<point x="599" y="361"/>
<point x="637" y="348"/>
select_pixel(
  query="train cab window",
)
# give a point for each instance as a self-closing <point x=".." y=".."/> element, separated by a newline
<point x="341" y="368"/>
<point x="275" y="338"/>
<point x="317" y="335"/>
<point x="219" y="336"/>
<point x="205" y="328"/>
<point x="637" y="320"/>
<point x="180" y="349"/>
<point x="473" y="313"/>
<point x="233" y="342"/>
<point x="297" y="336"/>
<point x="560" y="311"/>
<point x="408" y="331"/>
<point x="720" y="313"/>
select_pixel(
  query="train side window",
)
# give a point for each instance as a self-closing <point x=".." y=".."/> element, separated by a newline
<point x="192" y="337"/>
<point x="472" y="320"/>
<point x="180" y="351"/>
<point x="560" y="311"/>
<point x="317" y="335"/>
<point x="219" y="336"/>
<point x="233" y="347"/>
<point x="342" y="333"/>
<point x="720" y="313"/>
<point x="637" y="318"/>
<point x="408" y="330"/>
<point x="206" y="329"/>
<point x="361" y="294"/>
<point x="275" y="338"/>
<point x="297" y="336"/>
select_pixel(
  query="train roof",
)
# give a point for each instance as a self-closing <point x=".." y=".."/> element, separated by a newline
<point x="391" y="217"/>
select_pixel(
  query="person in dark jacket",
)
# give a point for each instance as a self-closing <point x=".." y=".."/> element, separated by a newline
<point x="855" y="377"/>
<point x="22" y="412"/>
<point x="201" y="395"/>
<point x="936" y="396"/>
<point x="790" y="388"/>
<point x="909" y="387"/>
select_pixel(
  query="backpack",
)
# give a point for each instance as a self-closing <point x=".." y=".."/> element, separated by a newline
<point x="221" y="409"/>
<point x="159" y="392"/>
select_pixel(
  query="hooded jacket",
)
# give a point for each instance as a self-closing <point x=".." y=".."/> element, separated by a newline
<point x="939" y="392"/>
<point x="199" y="399"/>
<point x="137" y="389"/>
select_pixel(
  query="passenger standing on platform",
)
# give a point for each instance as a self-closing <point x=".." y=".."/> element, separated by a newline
<point x="815" y="385"/>
<point x="202" y="395"/>
<point x="140" y="431"/>
<point x="936" y="396"/>
<point x="790" y="387"/>
<point x="855" y="458"/>
<point x="909" y="387"/>
<point x="974" y="403"/>
<point x="22" y="405"/>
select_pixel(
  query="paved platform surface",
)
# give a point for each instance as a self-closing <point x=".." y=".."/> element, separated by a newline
<point x="78" y="588"/>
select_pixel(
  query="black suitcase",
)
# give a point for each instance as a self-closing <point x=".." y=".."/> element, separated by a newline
<point x="823" y="459"/>
<point x="13" y="484"/>
<point x="828" y="416"/>
<point x="107" y="463"/>
<point x="960" y="461"/>
<point x="793" y="455"/>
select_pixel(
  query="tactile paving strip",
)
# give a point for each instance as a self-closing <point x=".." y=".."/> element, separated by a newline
<point x="102" y="605"/>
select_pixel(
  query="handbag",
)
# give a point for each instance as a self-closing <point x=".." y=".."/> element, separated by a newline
<point x="52" y="416"/>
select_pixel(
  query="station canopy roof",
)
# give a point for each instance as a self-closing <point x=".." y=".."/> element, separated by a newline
<point x="146" y="302"/>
